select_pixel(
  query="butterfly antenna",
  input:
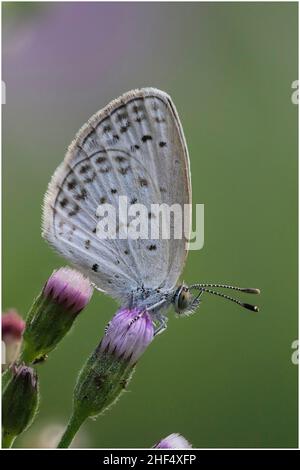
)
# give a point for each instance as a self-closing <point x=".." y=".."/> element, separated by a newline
<point x="247" y="290"/>
<point x="205" y="288"/>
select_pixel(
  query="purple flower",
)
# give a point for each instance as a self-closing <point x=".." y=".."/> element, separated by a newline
<point x="173" y="441"/>
<point x="128" y="334"/>
<point x="12" y="326"/>
<point x="68" y="288"/>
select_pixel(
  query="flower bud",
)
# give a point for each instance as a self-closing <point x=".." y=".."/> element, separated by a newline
<point x="19" y="402"/>
<point x="12" y="330"/>
<point x="110" y="367"/>
<point x="173" y="441"/>
<point x="64" y="295"/>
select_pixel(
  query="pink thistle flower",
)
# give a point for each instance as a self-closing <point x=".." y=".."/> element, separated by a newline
<point x="128" y="334"/>
<point x="68" y="288"/>
<point x="54" y="311"/>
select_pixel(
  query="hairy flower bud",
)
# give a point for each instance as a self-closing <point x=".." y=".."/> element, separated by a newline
<point x="19" y="402"/>
<point x="52" y="315"/>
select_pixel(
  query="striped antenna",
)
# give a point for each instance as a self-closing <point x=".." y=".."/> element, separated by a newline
<point x="206" y="288"/>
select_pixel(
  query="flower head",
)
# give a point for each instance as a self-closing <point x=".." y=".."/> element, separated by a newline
<point x="12" y="330"/>
<point x="68" y="288"/>
<point x="173" y="441"/>
<point x="12" y="326"/>
<point x="54" y="311"/>
<point x="128" y="334"/>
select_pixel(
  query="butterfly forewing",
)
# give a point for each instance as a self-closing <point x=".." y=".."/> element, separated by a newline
<point x="135" y="148"/>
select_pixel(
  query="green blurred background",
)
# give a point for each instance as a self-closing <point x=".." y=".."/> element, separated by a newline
<point x="223" y="377"/>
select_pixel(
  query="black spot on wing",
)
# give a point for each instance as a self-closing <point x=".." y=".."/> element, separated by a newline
<point x="105" y="169"/>
<point x="125" y="128"/>
<point x="137" y="108"/>
<point x="152" y="247"/>
<point x="101" y="159"/>
<point x="74" y="211"/>
<point x="106" y="129"/>
<point x="143" y="182"/>
<point x="64" y="202"/>
<point x="84" y="169"/>
<point x="120" y="158"/>
<point x="159" y="120"/>
<point x="123" y="170"/>
<point x="71" y="184"/>
<point x="91" y="178"/>
<point x="82" y="195"/>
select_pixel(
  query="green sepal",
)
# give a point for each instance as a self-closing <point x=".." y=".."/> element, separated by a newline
<point x="6" y="377"/>
<point x="100" y="383"/>
<point x="47" y="323"/>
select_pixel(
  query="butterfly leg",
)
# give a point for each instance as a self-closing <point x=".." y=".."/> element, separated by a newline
<point x="156" y="306"/>
<point x="161" y="326"/>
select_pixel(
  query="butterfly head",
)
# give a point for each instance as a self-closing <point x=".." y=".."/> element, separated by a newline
<point x="185" y="302"/>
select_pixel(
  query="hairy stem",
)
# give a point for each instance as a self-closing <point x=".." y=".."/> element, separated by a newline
<point x="71" y="430"/>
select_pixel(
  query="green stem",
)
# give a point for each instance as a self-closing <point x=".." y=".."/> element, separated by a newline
<point x="7" y="440"/>
<point x="71" y="430"/>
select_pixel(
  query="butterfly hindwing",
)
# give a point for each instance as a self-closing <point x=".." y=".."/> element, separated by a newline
<point x="135" y="148"/>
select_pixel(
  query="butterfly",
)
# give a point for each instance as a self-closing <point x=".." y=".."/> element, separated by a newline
<point x="133" y="147"/>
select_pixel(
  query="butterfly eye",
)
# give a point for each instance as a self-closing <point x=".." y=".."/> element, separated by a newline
<point x="182" y="299"/>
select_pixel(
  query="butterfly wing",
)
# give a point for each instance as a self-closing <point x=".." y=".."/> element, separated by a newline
<point x="134" y="147"/>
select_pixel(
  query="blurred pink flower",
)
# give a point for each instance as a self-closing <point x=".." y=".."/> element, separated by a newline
<point x="13" y="325"/>
<point x="12" y="330"/>
<point x="173" y="441"/>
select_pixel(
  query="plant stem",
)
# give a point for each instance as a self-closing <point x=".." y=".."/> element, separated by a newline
<point x="7" y="440"/>
<point x="71" y="430"/>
